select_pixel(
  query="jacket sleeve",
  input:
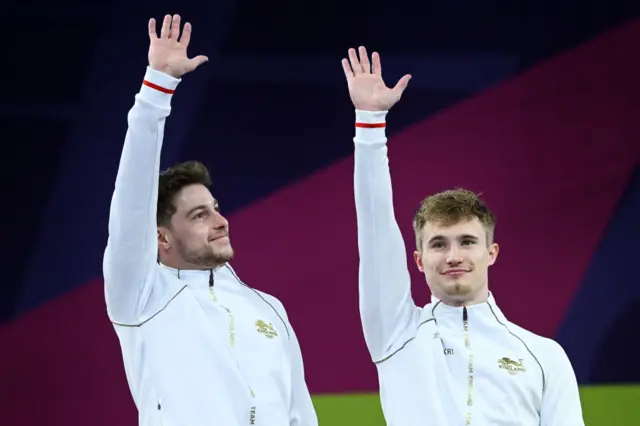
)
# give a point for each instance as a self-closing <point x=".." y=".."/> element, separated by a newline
<point x="387" y="309"/>
<point x="129" y="263"/>
<point x="302" y="410"/>
<point x="561" y="404"/>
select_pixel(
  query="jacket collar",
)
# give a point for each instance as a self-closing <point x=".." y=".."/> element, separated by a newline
<point x="197" y="277"/>
<point x="486" y="312"/>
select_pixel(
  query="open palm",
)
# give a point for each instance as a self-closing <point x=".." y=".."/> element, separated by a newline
<point x="168" y="53"/>
<point x="366" y="87"/>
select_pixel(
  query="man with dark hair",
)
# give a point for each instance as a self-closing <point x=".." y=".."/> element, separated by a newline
<point x="184" y="202"/>
<point x="200" y="348"/>
<point x="457" y="361"/>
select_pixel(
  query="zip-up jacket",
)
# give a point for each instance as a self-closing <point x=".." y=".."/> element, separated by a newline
<point x="200" y="348"/>
<point x="440" y="365"/>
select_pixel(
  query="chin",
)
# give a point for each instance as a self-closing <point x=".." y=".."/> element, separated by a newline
<point x="227" y="256"/>
<point x="224" y="255"/>
<point x="458" y="288"/>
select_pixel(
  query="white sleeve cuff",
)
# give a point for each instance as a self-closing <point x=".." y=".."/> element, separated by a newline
<point x="370" y="126"/>
<point x="158" y="87"/>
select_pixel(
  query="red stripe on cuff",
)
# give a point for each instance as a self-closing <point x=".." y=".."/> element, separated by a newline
<point x="158" y="88"/>
<point x="371" y="125"/>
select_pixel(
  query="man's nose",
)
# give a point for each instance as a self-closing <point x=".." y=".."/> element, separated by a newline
<point x="219" y="221"/>
<point x="453" y="257"/>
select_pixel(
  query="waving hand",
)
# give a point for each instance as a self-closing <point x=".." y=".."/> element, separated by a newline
<point x="367" y="89"/>
<point x="168" y="53"/>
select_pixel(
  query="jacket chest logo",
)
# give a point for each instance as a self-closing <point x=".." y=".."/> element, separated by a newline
<point x="266" y="329"/>
<point x="511" y="366"/>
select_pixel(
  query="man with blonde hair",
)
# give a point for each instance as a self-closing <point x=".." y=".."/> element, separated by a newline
<point x="458" y="360"/>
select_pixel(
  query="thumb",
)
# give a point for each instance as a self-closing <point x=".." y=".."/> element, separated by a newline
<point x="402" y="84"/>
<point x="197" y="61"/>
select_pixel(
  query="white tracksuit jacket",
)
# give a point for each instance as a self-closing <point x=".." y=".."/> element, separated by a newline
<point x="175" y="333"/>
<point x="441" y="365"/>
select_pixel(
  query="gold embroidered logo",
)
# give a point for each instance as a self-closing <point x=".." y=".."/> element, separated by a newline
<point x="512" y="367"/>
<point x="266" y="329"/>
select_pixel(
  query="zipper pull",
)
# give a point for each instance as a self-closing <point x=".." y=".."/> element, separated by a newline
<point x="213" y="293"/>
<point x="465" y="315"/>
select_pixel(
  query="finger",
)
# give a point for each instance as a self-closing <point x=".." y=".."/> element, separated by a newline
<point x="185" y="38"/>
<point x="152" y="29"/>
<point x="402" y="84"/>
<point x="355" y="63"/>
<point x="348" y="72"/>
<point x="364" y="60"/>
<point x="175" y="27"/>
<point x="197" y="61"/>
<point x="166" y="27"/>
<point x="377" y="65"/>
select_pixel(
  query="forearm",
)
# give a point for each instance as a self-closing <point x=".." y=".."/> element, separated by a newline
<point x="386" y="306"/>
<point x="131" y="251"/>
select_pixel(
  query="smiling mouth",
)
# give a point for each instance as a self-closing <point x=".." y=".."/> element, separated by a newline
<point x="456" y="272"/>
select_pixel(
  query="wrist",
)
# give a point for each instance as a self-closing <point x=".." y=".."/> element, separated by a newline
<point x="158" y="85"/>
<point x="370" y="117"/>
<point x="371" y="125"/>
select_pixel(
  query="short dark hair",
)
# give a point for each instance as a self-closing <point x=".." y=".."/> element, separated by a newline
<point x="450" y="207"/>
<point x="172" y="180"/>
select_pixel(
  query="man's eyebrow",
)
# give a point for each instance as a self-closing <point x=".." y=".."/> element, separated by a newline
<point x="436" y="238"/>
<point x="196" y="208"/>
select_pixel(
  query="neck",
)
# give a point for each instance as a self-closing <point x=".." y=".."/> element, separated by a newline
<point x="470" y="300"/>
<point x="183" y="265"/>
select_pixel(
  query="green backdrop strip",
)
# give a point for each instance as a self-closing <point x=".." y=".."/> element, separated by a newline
<point x="602" y="405"/>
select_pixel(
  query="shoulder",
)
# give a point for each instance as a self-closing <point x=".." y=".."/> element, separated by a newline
<point x="548" y="351"/>
<point x="278" y="308"/>
<point x="532" y="338"/>
<point x="273" y="301"/>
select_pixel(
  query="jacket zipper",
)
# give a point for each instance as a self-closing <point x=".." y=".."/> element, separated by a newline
<point x="470" y="378"/>
<point x="213" y="294"/>
<point x="232" y="341"/>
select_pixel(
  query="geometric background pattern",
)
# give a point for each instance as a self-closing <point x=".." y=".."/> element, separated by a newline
<point x="537" y="109"/>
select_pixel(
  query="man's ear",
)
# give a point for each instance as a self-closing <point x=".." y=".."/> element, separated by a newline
<point x="417" y="256"/>
<point x="164" y="238"/>
<point x="493" y="253"/>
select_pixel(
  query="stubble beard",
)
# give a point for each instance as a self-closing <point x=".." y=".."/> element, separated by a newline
<point x="463" y="293"/>
<point x="459" y="291"/>
<point x="207" y="257"/>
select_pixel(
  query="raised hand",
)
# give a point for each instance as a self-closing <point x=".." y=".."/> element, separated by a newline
<point x="168" y="53"/>
<point x="366" y="87"/>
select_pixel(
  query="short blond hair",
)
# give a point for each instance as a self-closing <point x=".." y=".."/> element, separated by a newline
<point x="450" y="207"/>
